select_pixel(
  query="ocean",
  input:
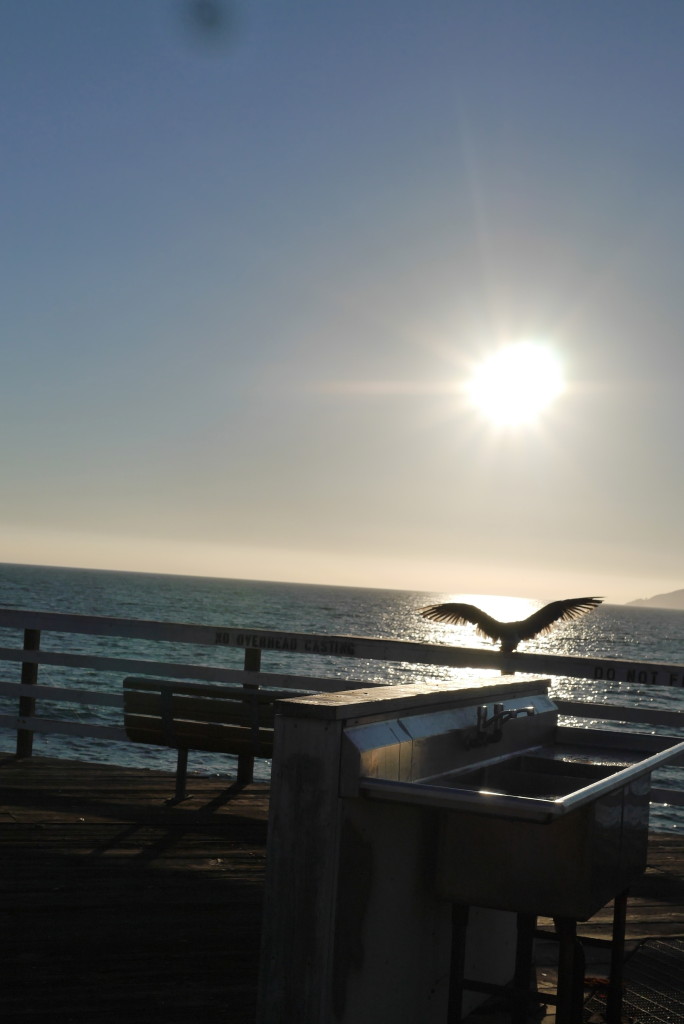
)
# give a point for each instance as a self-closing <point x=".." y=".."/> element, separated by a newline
<point x="611" y="631"/>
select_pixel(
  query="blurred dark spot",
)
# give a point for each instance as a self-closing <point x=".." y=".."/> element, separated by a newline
<point x="210" y="21"/>
<point x="207" y="15"/>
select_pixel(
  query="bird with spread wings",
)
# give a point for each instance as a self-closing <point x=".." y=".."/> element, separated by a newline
<point x="510" y="634"/>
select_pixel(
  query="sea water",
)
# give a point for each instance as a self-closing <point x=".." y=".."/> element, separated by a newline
<point x="611" y="631"/>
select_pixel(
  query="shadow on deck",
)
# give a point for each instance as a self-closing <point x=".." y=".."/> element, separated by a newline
<point x="118" y="906"/>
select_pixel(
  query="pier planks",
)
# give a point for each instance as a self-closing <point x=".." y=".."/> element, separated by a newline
<point x="117" y="906"/>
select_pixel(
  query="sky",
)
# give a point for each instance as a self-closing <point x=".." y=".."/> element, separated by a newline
<point x="251" y="252"/>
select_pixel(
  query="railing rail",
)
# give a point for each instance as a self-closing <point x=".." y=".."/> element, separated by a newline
<point x="64" y="629"/>
<point x="611" y="669"/>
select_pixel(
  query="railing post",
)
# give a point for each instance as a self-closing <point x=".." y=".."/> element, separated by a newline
<point x="27" y="705"/>
<point x="245" y="771"/>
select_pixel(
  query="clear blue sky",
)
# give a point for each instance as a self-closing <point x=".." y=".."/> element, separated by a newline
<point x="246" y="269"/>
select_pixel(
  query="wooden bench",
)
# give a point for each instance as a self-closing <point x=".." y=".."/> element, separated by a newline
<point x="200" y="716"/>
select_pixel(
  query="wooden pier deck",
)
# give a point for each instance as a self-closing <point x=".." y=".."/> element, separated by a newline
<point x="117" y="906"/>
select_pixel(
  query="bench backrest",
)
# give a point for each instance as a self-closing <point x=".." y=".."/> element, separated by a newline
<point x="201" y="716"/>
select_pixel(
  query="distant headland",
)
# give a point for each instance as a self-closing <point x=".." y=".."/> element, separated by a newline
<point x="674" y="600"/>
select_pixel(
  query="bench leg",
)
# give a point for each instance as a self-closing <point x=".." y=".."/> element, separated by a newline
<point x="181" y="774"/>
<point x="245" y="769"/>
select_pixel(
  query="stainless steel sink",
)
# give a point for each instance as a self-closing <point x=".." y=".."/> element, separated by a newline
<point x="534" y="817"/>
<point x="528" y="776"/>
<point x="540" y="782"/>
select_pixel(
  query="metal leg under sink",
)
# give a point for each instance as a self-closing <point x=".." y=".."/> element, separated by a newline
<point x="571" y="964"/>
<point x="522" y="993"/>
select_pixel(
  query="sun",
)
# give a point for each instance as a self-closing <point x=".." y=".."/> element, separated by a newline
<point x="516" y="384"/>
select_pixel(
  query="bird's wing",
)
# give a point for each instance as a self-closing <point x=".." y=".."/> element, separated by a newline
<point x="461" y="614"/>
<point x="542" y="621"/>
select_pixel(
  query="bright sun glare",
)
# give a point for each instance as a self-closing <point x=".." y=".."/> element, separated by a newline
<point x="516" y="383"/>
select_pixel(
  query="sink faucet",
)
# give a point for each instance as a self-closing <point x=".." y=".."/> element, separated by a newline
<point x="490" y="730"/>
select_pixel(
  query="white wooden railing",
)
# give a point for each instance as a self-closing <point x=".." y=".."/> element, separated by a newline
<point x="29" y="630"/>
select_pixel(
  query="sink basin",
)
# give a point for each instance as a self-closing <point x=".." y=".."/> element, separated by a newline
<point x="568" y="863"/>
<point x="538" y="818"/>
<point x="529" y="776"/>
<point x="555" y="830"/>
<point x="538" y="784"/>
<point x="569" y="867"/>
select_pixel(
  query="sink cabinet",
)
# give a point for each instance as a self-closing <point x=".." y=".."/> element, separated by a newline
<point x="568" y="867"/>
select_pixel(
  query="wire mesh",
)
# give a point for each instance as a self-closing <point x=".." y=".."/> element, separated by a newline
<point x="653" y="988"/>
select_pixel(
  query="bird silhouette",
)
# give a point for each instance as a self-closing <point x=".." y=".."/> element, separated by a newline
<point x="510" y="634"/>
